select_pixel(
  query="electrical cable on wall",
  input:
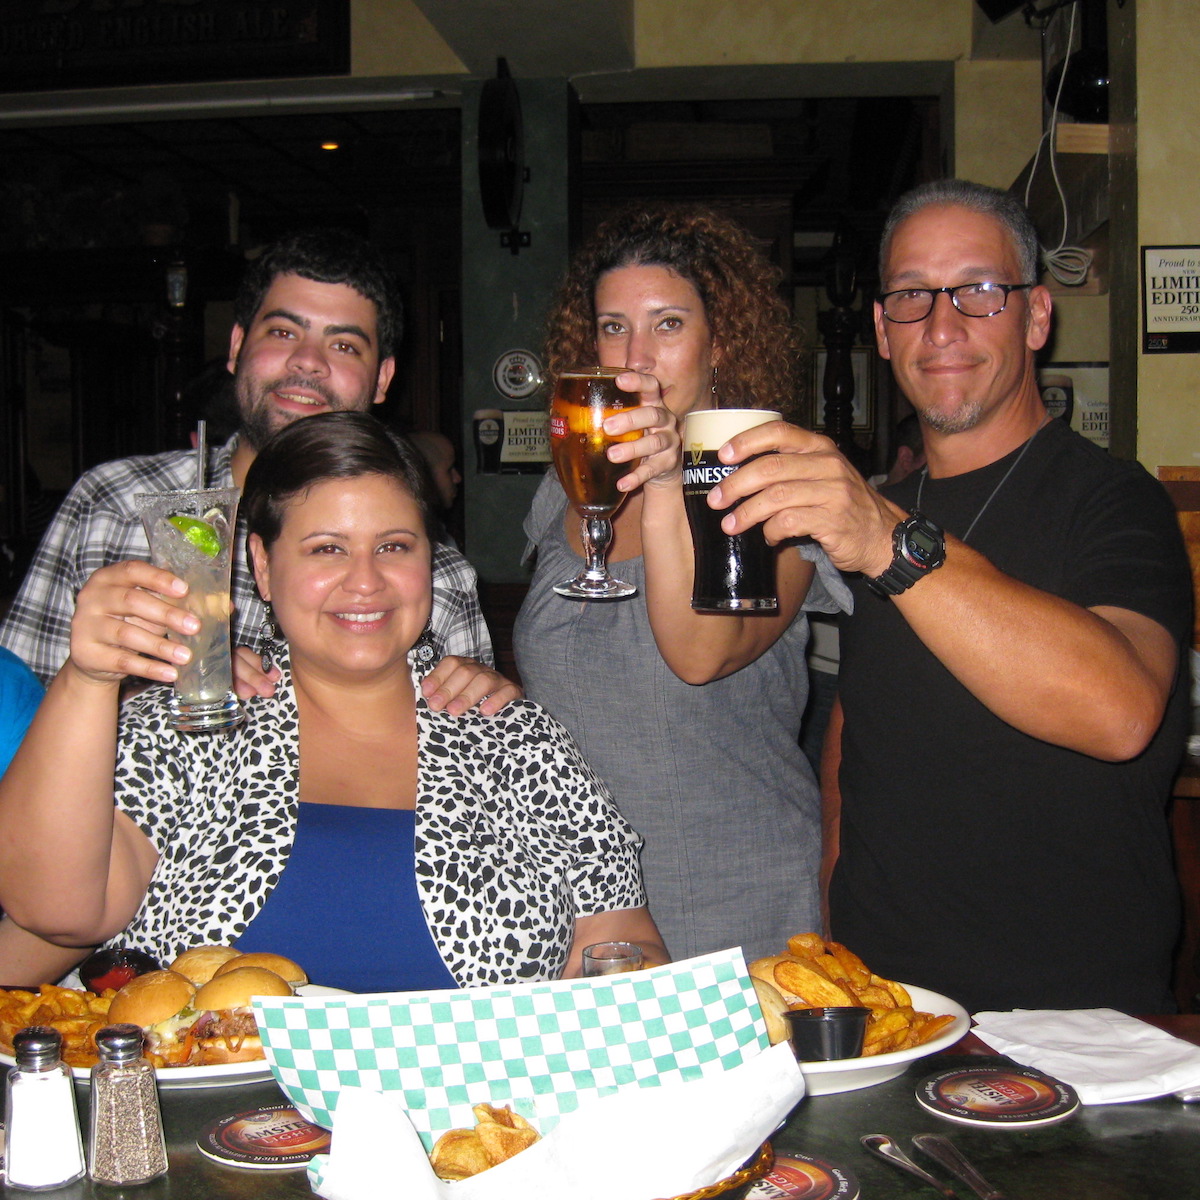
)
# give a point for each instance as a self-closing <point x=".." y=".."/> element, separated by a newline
<point x="1068" y="264"/>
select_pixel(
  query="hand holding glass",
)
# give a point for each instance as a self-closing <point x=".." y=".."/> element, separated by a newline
<point x="583" y="397"/>
<point x="191" y="535"/>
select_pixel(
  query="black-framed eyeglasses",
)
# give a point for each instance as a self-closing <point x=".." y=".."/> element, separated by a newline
<point x="909" y="305"/>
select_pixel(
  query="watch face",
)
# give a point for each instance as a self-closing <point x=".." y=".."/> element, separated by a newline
<point x="922" y="545"/>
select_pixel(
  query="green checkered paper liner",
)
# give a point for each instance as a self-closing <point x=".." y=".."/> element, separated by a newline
<point x="538" y="1047"/>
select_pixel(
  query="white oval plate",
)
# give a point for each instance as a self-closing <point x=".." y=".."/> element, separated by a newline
<point x="848" y="1074"/>
<point x="218" y="1074"/>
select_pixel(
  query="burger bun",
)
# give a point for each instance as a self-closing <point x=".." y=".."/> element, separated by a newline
<point x="234" y="989"/>
<point x="285" y="968"/>
<point x="773" y="1006"/>
<point x="201" y="962"/>
<point x="149" y="999"/>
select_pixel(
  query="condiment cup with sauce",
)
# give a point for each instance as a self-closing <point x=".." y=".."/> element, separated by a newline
<point x="825" y="1034"/>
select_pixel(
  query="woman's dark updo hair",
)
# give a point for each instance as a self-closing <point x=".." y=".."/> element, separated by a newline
<point x="341" y="445"/>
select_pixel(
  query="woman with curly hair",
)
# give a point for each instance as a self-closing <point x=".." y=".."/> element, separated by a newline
<point x="690" y="718"/>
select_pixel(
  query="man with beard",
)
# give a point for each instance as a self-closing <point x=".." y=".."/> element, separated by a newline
<point x="315" y="326"/>
<point x="1012" y="709"/>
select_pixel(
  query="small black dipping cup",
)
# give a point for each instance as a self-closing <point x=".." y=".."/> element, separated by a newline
<point x="824" y="1034"/>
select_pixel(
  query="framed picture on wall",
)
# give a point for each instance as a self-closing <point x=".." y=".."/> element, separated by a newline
<point x="1078" y="393"/>
<point x="862" y="361"/>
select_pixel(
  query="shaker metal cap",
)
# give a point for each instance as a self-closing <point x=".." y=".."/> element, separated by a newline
<point x="37" y="1048"/>
<point x="120" y="1043"/>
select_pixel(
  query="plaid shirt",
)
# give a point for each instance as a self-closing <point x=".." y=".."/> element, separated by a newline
<point x="97" y="525"/>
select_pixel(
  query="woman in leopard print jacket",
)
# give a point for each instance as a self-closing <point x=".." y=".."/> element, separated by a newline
<point x="382" y="844"/>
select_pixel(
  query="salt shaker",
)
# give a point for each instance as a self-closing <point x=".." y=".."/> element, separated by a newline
<point x="126" y="1145"/>
<point x="44" y="1147"/>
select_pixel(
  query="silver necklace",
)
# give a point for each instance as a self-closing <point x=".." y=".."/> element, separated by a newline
<point x="991" y="496"/>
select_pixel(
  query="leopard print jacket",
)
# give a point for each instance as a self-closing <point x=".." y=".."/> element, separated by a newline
<point x="515" y="835"/>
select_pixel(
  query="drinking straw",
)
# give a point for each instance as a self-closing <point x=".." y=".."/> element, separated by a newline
<point x="201" y="452"/>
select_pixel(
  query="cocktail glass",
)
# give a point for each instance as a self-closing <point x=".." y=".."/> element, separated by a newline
<point x="191" y="534"/>
<point x="583" y="397"/>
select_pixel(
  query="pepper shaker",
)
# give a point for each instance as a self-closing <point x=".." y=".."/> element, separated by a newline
<point x="126" y="1143"/>
<point x="44" y="1149"/>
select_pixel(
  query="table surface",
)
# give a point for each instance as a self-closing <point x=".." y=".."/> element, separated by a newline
<point x="1145" y="1151"/>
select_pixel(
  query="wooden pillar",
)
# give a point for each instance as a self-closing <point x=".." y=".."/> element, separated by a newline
<point x="839" y="330"/>
<point x="508" y="282"/>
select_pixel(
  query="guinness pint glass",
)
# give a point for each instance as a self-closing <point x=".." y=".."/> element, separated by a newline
<point x="733" y="574"/>
<point x="488" y="426"/>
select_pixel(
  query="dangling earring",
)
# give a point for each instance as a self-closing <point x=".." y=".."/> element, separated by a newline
<point x="425" y="648"/>
<point x="716" y="400"/>
<point x="268" y="633"/>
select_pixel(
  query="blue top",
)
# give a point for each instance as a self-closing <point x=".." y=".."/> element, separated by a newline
<point x="346" y="861"/>
<point x="20" y="694"/>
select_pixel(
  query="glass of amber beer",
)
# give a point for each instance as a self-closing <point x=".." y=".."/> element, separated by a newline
<point x="583" y="397"/>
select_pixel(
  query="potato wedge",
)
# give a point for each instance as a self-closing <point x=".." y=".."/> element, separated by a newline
<point x="806" y="945"/>
<point x="811" y="985"/>
<point x="854" y="968"/>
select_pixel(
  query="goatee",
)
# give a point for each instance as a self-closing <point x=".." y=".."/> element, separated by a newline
<point x="260" y="420"/>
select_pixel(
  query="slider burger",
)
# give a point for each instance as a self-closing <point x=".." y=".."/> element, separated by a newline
<point x="283" y="967"/>
<point x="186" y="1027"/>
<point x="161" y="1003"/>
<point x="226" y="1031"/>
<point x="200" y="963"/>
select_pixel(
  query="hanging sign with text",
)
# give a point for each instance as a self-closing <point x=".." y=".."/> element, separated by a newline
<point x="1170" y="299"/>
<point x="53" y="44"/>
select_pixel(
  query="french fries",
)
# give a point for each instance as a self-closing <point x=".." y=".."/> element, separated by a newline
<point x="815" y="973"/>
<point x="77" y="1015"/>
<point x="499" y="1133"/>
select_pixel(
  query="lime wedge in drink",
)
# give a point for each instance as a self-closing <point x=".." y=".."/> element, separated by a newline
<point x="201" y="534"/>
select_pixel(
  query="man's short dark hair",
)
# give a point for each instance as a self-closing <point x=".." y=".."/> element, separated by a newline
<point x="977" y="197"/>
<point x="325" y="256"/>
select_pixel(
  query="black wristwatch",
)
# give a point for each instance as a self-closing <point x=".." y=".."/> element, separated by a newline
<point x="918" y="547"/>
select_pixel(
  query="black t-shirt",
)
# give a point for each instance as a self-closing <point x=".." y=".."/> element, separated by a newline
<point x="977" y="860"/>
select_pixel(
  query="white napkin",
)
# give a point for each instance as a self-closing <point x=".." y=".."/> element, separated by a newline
<point x="1106" y="1056"/>
<point x="637" y="1143"/>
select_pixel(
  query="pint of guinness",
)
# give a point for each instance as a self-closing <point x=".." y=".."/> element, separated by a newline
<point x="733" y="574"/>
<point x="488" y="429"/>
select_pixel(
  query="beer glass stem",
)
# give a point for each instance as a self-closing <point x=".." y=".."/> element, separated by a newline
<point x="593" y="581"/>
<point x="596" y="534"/>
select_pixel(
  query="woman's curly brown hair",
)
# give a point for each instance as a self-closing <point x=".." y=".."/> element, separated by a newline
<point x="750" y="321"/>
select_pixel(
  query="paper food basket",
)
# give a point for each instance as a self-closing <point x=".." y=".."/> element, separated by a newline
<point x="540" y="1048"/>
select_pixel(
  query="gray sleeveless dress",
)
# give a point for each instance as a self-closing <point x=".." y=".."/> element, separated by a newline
<point x="712" y="776"/>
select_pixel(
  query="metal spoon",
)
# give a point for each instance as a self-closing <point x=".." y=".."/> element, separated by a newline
<point x="946" y="1154"/>
<point x="881" y="1144"/>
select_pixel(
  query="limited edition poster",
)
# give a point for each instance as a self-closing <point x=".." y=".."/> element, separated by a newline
<point x="1170" y="299"/>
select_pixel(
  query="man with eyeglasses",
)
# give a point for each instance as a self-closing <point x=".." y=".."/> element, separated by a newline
<point x="1012" y="709"/>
